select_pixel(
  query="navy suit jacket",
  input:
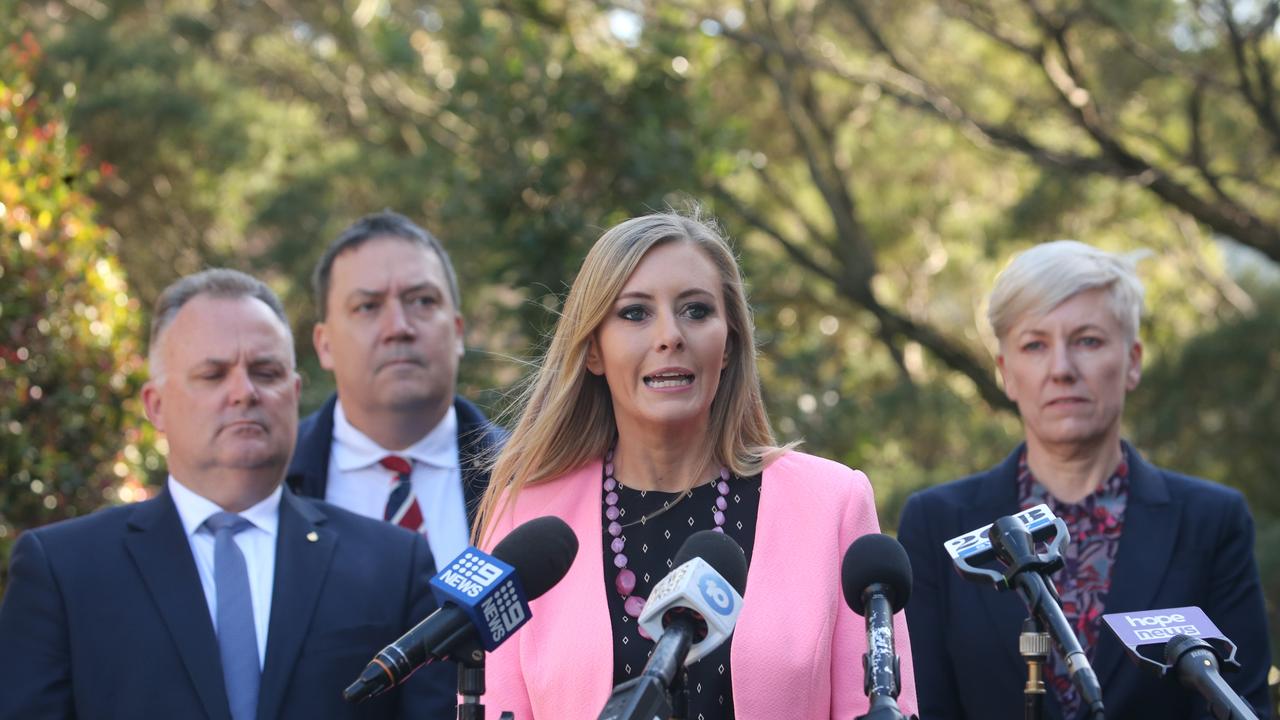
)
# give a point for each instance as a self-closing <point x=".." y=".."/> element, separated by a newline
<point x="1185" y="541"/>
<point x="105" y="617"/>
<point x="477" y="437"/>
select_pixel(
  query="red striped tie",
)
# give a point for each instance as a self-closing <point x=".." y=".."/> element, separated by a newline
<point x="402" y="505"/>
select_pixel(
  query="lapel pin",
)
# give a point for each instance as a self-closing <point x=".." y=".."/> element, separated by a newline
<point x="312" y="536"/>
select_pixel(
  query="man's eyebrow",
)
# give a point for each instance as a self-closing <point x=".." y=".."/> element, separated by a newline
<point x="424" y="285"/>
<point x="208" y="363"/>
<point x="382" y="292"/>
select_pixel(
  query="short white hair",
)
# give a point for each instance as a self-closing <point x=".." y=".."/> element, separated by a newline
<point x="1043" y="277"/>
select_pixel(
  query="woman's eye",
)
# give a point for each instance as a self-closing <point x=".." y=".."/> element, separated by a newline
<point x="634" y="313"/>
<point x="697" y="311"/>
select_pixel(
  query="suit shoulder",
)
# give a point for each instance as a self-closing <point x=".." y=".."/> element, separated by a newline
<point x="1200" y="492"/>
<point x="953" y="492"/>
<point x="307" y="424"/>
<point x="473" y="423"/>
<point x="100" y="523"/>
<point x="819" y="473"/>
<point x="323" y="417"/>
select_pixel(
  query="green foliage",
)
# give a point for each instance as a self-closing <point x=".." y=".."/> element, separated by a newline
<point x="72" y="436"/>
<point x="1211" y="407"/>
<point x="876" y="164"/>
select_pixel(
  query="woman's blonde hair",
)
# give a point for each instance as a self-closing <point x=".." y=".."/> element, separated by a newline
<point x="566" y="412"/>
<point x="1043" y="277"/>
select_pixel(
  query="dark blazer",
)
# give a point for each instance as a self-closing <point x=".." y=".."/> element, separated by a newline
<point x="477" y="437"/>
<point x="1186" y="541"/>
<point x="105" y="617"/>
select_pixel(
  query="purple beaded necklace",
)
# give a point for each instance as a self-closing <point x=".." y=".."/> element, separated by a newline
<point x="625" y="582"/>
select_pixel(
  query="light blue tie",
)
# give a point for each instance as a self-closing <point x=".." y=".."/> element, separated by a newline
<point x="237" y="638"/>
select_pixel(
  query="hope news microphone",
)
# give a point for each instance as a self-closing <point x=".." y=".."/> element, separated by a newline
<point x="1011" y="540"/>
<point x="1187" y="642"/>
<point x="876" y="578"/>
<point x="691" y="611"/>
<point x="482" y="598"/>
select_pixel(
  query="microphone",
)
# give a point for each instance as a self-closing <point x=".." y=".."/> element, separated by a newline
<point x="1193" y="648"/>
<point x="691" y="611"/>
<point x="1011" y="540"/>
<point x="1197" y="664"/>
<point x="482" y="598"/>
<point x="1013" y="545"/>
<point x="876" y="578"/>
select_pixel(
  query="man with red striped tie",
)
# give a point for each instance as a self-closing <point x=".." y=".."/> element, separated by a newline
<point x="395" y="442"/>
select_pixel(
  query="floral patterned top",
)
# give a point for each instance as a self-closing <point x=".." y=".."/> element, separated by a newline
<point x="1095" y="524"/>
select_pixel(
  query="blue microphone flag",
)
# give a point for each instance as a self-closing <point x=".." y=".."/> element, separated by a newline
<point x="488" y="591"/>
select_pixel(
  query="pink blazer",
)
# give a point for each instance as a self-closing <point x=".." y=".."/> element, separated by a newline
<point x="797" y="648"/>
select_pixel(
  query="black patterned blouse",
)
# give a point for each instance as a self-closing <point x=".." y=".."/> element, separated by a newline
<point x="650" y="548"/>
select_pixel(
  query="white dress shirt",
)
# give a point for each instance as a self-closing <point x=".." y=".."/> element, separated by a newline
<point x="257" y="544"/>
<point x="359" y="484"/>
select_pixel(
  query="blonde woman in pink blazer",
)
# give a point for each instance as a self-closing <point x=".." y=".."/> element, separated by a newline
<point x="644" y="424"/>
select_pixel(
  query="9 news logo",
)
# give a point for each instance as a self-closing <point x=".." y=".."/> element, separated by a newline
<point x="471" y="574"/>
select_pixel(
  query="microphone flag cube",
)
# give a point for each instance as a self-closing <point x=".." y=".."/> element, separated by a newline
<point x="694" y="586"/>
<point x="975" y="545"/>
<point x="487" y="590"/>
<point x="1144" y="634"/>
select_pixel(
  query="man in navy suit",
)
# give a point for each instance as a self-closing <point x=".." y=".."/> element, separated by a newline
<point x="1142" y="538"/>
<point x="395" y="442"/>
<point x="225" y="597"/>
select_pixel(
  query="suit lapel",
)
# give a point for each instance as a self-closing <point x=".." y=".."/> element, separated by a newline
<point x="580" y="631"/>
<point x="1146" y="548"/>
<point x="304" y="549"/>
<point x="159" y="547"/>
<point x="470" y="458"/>
<point x="477" y="440"/>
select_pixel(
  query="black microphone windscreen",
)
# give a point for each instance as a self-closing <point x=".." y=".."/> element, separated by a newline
<point x="541" y="551"/>
<point x="1180" y="645"/>
<point x="719" y="551"/>
<point x="876" y="558"/>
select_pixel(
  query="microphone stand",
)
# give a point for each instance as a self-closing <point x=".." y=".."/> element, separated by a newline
<point x="1027" y="572"/>
<point x="883" y="708"/>
<point x="470" y="659"/>
<point x="1033" y="644"/>
<point x="880" y="687"/>
<point x="652" y="694"/>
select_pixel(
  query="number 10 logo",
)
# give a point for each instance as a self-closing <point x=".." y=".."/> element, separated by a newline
<point x="717" y="593"/>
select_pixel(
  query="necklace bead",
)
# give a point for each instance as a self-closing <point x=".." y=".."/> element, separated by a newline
<point x="625" y="581"/>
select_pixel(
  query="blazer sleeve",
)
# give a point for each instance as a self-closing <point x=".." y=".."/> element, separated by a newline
<point x="430" y="692"/>
<point x="848" y="698"/>
<point x="939" y="694"/>
<point x="1235" y="604"/>
<point x="505" y="688"/>
<point x="35" y="662"/>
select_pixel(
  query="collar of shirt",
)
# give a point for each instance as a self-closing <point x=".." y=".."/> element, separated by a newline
<point x="194" y="509"/>
<point x="353" y="450"/>
<point x="1109" y="492"/>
